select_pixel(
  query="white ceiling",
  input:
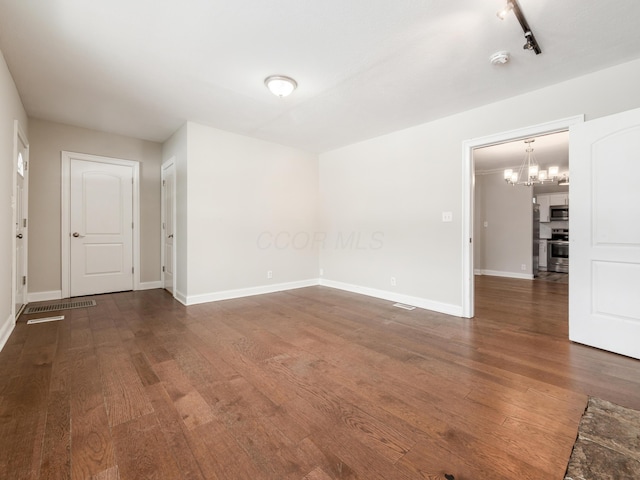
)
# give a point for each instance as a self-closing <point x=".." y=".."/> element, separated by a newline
<point x="364" y="67"/>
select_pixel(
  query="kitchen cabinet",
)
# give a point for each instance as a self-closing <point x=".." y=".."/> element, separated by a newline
<point x="542" y="259"/>
<point x="559" y="199"/>
<point x="547" y="200"/>
<point x="543" y="201"/>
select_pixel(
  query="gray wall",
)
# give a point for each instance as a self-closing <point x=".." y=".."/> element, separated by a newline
<point x="506" y="243"/>
<point x="399" y="184"/>
<point x="48" y="139"/>
<point x="11" y="110"/>
<point x="244" y="206"/>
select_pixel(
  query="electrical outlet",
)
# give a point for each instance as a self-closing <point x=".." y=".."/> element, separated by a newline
<point x="269" y="274"/>
<point x="486" y="224"/>
<point x="523" y="267"/>
<point x="447" y="216"/>
<point x="393" y="281"/>
<point x="321" y="271"/>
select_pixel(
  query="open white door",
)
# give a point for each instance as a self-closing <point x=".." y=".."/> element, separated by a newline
<point x="604" y="292"/>
<point x="21" y="198"/>
<point x="168" y="225"/>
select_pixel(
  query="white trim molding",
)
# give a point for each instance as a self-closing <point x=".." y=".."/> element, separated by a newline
<point x="468" y="171"/>
<point x="6" y="330"/>
<point x="45" y="296"/>
<point x="497" y="273"/>
<point x="150" y="285"/>
<point x="244" y="292"/>
<point x="66" y="158"/>
<point x="168" y="165"/>
<point x="424" y="303"/>
<point x="181" y="297"/>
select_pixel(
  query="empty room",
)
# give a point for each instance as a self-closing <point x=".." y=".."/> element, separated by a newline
<point x="320" y="240"/>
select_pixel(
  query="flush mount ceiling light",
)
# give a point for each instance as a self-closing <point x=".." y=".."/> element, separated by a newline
<point x="530" y="173"/>
<point x="280" y="85"/>
<point x="531" y="43"/>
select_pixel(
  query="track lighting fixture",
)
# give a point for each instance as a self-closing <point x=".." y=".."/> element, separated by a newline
<point x="531" y="43"/>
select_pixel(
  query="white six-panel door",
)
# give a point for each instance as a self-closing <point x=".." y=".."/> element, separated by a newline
<point x="604" y="288"/>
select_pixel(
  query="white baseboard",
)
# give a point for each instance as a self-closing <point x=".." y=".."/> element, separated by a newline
<point x="181" y="297"/>
<point x="496" y="273"/>
<point x="449" y="309"/>
<point x="477" y="271"/>
<point x="57" y="294"/>
<point x="244" y="292"/>
<point x="5" y="331"/>
<point x="44" y="296"/>
<point x="150" y="285"/>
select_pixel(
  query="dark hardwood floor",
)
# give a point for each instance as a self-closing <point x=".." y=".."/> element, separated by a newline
<point x="310" y="384"/>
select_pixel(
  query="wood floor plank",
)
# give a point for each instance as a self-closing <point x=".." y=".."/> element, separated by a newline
<point x="312" y="384"/>
<point x="142" y="450"/>
<point x="123" y="390"/>
<point x="193" y="409"/>
<point x="22" y="422"/>
<point x="91" y="443"/>
<point x="174" y="431"/>
<point x="317" y="474"/>
<point x="144" y="369"/>
<point x="56" y="459"/>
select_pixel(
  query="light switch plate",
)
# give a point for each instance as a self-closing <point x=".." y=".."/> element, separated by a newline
<point x="447" y="216"/>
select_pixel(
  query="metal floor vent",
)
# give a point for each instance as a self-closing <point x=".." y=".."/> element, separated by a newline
<point x="404" y="305"/>
<point x="56" y="307"/>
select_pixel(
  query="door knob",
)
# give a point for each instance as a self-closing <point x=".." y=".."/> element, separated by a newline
<point x="170" y="236"/>
<point x="76" y="235"/>
<point x="19" y="235"/>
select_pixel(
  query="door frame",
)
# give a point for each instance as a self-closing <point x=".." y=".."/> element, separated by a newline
<point x="65" y="229"/>
<point x="19" y="136"/>
<point x="169" y="163"/>
<point x="468" y="188"/>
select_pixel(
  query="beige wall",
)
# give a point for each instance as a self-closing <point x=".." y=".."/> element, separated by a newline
<point x="246" y="200"/>
<point x="11" y="109"/>
<point x="175" y="148"/>
<point x="399" y="184"/>
<point x="48" y="139"/>
<point x="506" y="243"/>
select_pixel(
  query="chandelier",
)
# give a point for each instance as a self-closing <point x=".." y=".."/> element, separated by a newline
<point x="529" y="173"/>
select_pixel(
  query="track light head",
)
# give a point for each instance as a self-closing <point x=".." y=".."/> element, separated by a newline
<point x="505" y="11"/>
<point x="512" y="5"/>
<point x="531" y="43"/>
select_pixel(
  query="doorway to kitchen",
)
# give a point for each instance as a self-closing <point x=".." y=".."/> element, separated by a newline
<point x="525" y="197"/>
<point x="514" y="238"/>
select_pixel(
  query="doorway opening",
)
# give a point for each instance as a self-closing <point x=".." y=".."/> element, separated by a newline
<point x="469" y="213"/>
<point x="515" y="223"/>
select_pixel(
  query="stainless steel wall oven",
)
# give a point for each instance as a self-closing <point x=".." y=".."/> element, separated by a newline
<point x="558" y="251"/>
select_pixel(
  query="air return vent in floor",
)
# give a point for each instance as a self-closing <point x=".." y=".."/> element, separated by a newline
<point x="56" y="307"/>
